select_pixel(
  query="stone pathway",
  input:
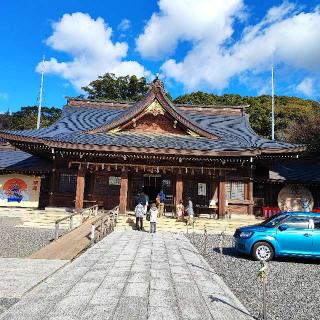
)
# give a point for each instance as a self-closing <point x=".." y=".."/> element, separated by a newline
<point x="169" y="224"/>
<point x="132" y="275"/>
<point x="17" y="276"/>
<point x="39" y="219"/>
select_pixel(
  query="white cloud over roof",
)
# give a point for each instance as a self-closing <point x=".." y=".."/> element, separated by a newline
<point x="88" y="42"/>
<point x="286" y="34"/>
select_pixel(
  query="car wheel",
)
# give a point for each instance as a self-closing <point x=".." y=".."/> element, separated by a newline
<point x="262" y="251"/>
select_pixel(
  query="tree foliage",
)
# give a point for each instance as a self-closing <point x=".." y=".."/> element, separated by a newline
<point x="5" y="121"/>
<point x="306" y="131"/>
<point x="111" y="87"/>
<point x="289" y="110"/>
<point x="26" y="118"/>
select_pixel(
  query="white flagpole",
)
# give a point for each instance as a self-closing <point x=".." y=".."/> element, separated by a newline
<point x="272" y="109"/>
<point x="41" y="93"/>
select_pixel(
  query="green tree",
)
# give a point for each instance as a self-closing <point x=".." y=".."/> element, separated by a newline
<point x="289" y="110"/>
<point x="111" y="87"/>
<point x="306" y="131"/>
<point x="5" y="121"/>
<point x="26" y="118"/>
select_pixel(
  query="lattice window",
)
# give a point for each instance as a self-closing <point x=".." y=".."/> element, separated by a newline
<point x="235" y="190"/>
<point x="101" y="184"/>
<point x="67" y="183"/>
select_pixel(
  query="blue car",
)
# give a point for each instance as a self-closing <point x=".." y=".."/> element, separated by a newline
<point x="285" y="234"/>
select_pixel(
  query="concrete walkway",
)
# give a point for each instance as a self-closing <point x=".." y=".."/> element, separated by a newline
<point x="17" y="276"/>
<point x="132" y="275"/>
<point x="169" y="224"/>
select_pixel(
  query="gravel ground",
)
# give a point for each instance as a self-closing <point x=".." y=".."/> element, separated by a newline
<point x="6" y="303"/>
<point x="18" y="242"/>
<point x="292" y="288"/>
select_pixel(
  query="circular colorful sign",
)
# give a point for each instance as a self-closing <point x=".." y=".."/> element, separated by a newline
<point x="15" y="189"/>
<point x="295" y="198"/>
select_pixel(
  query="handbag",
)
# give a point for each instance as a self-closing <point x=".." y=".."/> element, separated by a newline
<point x="148" y="216"/>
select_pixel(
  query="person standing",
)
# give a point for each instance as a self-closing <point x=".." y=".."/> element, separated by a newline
<point x="137" y="198"/>
<point x="158" y="204"/>
<point x="180" y="211"/>
<point x="139" y="212"/>
<point x="190" y="211"/>
<point x="144" y="201"/>
<point x="147" y="203"/>
<point x="153" y="218"/>
<point x="161" y="205"/>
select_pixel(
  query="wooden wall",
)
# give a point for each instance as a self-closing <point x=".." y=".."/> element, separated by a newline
<point x="98" y="188"/>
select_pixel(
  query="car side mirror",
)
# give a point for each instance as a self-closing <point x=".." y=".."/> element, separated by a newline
<point x="283" y="227"/>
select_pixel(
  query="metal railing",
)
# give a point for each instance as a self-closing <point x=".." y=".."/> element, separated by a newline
<point x="85" y="214"/>
<point x="103" y="225"/>
<point x="57" y="224"/>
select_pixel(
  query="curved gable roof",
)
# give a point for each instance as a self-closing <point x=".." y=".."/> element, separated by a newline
<point x="87" y="124"/>
<point x="156" y="93"/>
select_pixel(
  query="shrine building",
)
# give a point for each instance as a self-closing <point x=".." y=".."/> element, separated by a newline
<point x="105" y="152"/>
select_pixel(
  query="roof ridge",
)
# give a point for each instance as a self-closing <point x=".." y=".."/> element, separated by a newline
<point x="211" y="106"/>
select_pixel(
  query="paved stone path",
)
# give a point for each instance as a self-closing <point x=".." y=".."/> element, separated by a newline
<point x="132" y="275"/>
<point x="17" y="276"/>
<point x="170" y="224"/>
<point x="39" y="219"/>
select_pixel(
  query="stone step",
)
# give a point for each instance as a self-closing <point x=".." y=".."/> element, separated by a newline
<point x="169" y="224"/>
<point x="58" y="210"/>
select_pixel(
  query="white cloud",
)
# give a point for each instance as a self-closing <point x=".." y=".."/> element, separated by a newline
<point x="306" y="86"/>
<point x="93" y="53"/>
<point x="124" y="25"/>
<point x="190" y="20"/>
<point x="290" y="36"/>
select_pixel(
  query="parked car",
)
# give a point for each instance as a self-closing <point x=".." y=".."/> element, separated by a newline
<point x="285" y="234"/>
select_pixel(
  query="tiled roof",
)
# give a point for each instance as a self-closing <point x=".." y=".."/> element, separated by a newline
<point x="234" y="132"/>
<point x="91" y="124"/>
<point x="236" y="129"/>
<point x="73" y="119"/>
<point x="298" y="171"/>
<point x="16" y="160"/>
<point x="151" y="140"/>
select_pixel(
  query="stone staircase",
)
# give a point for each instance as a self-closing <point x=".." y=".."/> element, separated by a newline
<point x="170" y="224"/>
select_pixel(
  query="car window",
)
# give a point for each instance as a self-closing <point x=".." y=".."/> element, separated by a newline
<point x="296" y="222"/>
<point x="316" y="223"/>
<point x="273" y="221"/>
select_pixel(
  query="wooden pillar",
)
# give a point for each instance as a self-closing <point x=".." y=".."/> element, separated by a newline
<point x="123" y="192"/>
<point x="179" y="188"/>
<point x="250" y="197"/>
<point x="222" y="199"/>
<point x="80" y="189"/>
<point x="52" y="184"/>
<point x="92" y="178"/>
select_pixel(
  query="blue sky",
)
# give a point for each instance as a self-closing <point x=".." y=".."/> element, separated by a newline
<point x="211" y="45"/>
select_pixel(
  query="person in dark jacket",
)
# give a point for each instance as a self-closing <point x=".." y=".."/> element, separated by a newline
<point x="142" y="198"/>
<point x="137" y="199"/>
<point x="161" y="205"/>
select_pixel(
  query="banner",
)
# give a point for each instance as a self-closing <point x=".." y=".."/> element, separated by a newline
<point x="17" y="190"/>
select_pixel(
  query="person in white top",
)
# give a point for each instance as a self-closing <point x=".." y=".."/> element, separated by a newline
<point x="153" y="218"/>
<point x="139" y="212"/>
